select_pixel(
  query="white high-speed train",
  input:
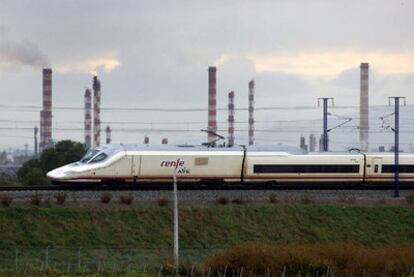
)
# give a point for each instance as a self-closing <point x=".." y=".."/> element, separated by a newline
<point x="198" y="164"/>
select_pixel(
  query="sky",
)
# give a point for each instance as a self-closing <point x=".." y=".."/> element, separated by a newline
<point x="155" y="54"/>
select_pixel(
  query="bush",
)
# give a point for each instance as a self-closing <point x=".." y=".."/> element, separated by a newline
<point x="106" y="197"/>
<point x="35" y="176"/>
<point x="35" y="199"/>
<point x="163" y="202"/>
<point x="60" y="198"/>
<point x="126" y="199"/>
<point x="410" y="198"/>
<point x="47" y="203"/>
<point x="339" y="259"/>
<point x="64" y="152"/>
<point x="26" y="167"/>
<point x="239" y="200"/>
<point x="273" y="198"/>
<point x="5" y="200"/>
<point x="222" y="201"/>
<point x="304" y="199"/>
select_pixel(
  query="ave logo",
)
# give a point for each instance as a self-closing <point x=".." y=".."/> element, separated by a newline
<point x="183" y="170"/>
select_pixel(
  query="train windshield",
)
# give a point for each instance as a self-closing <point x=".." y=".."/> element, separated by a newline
<point x="98" y="158"/>
<point x="89" y="155"/>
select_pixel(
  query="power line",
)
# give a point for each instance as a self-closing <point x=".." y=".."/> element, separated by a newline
<point x="143" y="109"/>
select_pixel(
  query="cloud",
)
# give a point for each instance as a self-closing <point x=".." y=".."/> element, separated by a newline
<point x="16" y="54"/>
<point x="234" y="62"/>
<point x="349" y="78"/>
<point x="329" y="64"/>
<point x="106" y="63"/>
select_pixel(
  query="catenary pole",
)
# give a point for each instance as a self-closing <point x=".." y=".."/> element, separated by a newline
<point x="325" y="122"/>
<point x="396" y="143"/>
<point x="176" y="249"/>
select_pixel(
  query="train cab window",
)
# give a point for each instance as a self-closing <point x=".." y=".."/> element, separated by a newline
<point x="89" y="155"/>
<point x="99" y="158"/>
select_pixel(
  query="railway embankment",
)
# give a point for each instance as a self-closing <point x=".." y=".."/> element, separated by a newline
<point x="206" y="226"/>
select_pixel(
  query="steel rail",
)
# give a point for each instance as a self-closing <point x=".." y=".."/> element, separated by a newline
<point x="195" y="187"/>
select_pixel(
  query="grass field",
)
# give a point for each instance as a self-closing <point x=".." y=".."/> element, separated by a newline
<point x="209" y="226"/>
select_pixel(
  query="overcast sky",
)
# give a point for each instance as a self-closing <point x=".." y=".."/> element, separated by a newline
<point x="156" y="54"/>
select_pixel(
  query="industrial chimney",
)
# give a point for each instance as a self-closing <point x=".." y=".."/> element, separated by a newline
<point x="364" y="108"/>
<point x="251" y="110"/>
<point x="96" y="112"/>
<point x="231" y="119"/>
<point x="146" y="140"/>
<point x="312" y="143"/>
<point x="46" y="113"/>
<point x="35" y="141"/>
<point x="88" y="118"/>
<point x="212" y="123"/>
<point x="108" y="132"/>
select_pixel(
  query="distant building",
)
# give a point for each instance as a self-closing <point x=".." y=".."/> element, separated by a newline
<point x="303" y="145"/>
<point x="312" y="143"/>
<point x="321" y="144"/>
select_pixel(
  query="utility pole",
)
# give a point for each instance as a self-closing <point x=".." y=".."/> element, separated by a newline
<point x="35" y="141"/>
<point x="176" y="253"/>
<point x="325" y="120"/>
<point x="396" y="131"/>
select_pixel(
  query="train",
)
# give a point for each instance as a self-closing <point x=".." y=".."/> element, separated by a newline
<point x="148" y="164"/>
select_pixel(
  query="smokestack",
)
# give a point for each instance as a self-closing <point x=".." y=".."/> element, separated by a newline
<point x="46" y="113"/>
<point x="231" y="119"/>
<point x="88" y="118"/>
<point x="212" y="123"/>
<point x="146" y="140"/>
<point x="303" y="144"/>
<point x="164" y="141"/>
<point x="312" y="143"/>
<point x="108" y="132"/>
<point x="251" y="110"/>
<point x="35" y="141"/>
<point x="321" y="144"/>
<point x="96" y="112"/>
<point x="364" y="108"/>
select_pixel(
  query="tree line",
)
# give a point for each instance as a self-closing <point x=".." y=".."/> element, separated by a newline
<point x="33" y="172"/>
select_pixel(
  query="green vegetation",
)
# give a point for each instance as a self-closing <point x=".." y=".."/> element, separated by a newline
<point x="340" y="259"/>
<point x="33" y="172"/>
<point x="215" y="226"/>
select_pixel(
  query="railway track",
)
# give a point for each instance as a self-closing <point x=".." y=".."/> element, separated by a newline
<point x="195" y="187"/>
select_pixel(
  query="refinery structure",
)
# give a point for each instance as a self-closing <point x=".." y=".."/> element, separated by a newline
<point x="364" y="108"/>
<point x="46" y="112"/>
<point x="92" y="115"/>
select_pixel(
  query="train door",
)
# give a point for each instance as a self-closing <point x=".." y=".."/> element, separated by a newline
<point x="135" y="165"/>
<point x="376" y="166"/>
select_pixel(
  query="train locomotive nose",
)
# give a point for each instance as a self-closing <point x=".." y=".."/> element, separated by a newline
<point x="56" y="174"/>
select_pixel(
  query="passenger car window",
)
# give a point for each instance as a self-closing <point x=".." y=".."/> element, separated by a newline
<point x="376" y="168"/>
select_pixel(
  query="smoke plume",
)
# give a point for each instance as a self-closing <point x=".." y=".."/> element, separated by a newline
<point x="17" y="54"/>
